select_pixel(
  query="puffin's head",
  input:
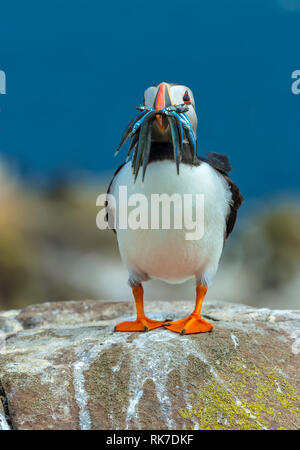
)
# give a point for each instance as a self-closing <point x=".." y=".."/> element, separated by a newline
<point x="162" y="95"/>
<point x="166" y="116"/>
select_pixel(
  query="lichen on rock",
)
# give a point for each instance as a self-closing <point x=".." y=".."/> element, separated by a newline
<point x="63" y="367"/>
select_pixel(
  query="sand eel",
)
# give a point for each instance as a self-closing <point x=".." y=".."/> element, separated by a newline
<point x="164" y="161"/>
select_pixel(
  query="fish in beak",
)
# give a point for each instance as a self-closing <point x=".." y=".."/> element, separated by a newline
<point x="167" y="118"/>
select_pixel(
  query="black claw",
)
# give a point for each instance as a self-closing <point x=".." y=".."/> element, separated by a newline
<point x="212" y="329"/>
<point x="146" y="328"/>
<point x="209" y="317"/>
<point x="115" y="328"/>
<point x="167" y="324"/>
<point x="183" y="332"/>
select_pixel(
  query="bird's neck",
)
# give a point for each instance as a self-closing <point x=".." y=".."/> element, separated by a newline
<point x="161" y="151"/>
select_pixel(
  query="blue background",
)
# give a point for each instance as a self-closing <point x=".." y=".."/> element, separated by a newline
<point x="77" y="69"/>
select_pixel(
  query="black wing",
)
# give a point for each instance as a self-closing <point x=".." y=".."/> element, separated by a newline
<point x="222" y="165"/>
<point x="108" y="192"/>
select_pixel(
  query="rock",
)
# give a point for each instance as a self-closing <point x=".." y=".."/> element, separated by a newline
<point x="3" y="422"/>
<point x="63" y="367"/>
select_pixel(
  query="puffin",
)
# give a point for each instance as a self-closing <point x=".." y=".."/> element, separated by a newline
<point x="162" y="159"/>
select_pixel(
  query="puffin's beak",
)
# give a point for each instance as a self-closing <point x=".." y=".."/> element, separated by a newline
<point x="161" y="100"/>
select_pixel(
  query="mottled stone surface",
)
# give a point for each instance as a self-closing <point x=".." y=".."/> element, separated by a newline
<point x="63" y="367"/>
<point x="3" y="422"/>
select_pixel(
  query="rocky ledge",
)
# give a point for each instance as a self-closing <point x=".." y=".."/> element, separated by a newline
<point x="63" y="367"/>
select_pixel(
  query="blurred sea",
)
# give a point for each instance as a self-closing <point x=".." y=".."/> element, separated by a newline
<point x="76" y="70"/>
<point x="51" y="250"/>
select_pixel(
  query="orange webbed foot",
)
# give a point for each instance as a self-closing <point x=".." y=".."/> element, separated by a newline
<point x="144" y="324"/>
<point x="192" y="324"/>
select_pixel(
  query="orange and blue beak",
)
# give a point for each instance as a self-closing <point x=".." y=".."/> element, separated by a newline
<point x="162" y="100"/>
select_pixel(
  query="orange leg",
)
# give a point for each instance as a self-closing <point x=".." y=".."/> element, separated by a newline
<point x="193" y="323"/>
<point x="142" y="323"/>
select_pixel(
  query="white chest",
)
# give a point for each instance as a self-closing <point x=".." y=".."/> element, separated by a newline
<point x="166" y="253"/>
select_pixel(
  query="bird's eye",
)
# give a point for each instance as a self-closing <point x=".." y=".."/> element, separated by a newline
<point x="186" y="98"/>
